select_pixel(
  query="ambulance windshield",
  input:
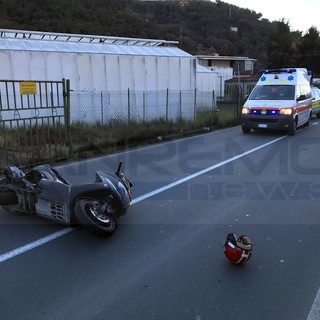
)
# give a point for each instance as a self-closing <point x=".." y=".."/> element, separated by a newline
<point x="273" y="92"/>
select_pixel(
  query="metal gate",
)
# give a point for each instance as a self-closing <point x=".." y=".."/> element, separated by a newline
<point x="34" y="121"/>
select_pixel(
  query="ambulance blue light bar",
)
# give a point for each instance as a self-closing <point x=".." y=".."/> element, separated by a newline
<point x="283" y="70"/>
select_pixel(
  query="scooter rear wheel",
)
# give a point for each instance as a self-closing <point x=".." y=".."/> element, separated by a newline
<point x="88" y="215"/>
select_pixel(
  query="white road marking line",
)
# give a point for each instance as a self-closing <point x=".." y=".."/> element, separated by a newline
<point x="314" y="313"/>
<point x="199" y="173"/>
<point x="41" y="241"/>
<point x="11" y="254"/>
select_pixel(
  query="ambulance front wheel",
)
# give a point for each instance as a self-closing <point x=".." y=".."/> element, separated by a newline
<point x="246" y="130"/>
<point x="293" y="130"/>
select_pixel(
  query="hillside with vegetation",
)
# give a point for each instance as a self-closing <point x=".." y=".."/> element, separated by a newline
<point x="200" y="27"/>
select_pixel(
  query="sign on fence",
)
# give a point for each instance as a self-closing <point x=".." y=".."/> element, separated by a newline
<point x="28" y="87"/>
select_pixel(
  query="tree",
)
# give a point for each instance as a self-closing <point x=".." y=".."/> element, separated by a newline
<point x="201" y="27"/>
<point x="281" y="49"/>
<point x="309" y="51"/>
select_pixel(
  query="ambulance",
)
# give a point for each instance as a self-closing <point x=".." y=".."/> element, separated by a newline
<point x="315" y="93"/>
<point x="281" y="100"/>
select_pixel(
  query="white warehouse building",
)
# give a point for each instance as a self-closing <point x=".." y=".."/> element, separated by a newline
<point x="98" y="64"/>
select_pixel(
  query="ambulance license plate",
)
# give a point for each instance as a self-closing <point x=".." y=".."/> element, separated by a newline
<point x="262" y="125"/>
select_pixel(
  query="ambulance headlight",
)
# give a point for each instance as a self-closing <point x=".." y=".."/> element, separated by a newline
<point x="245" y="110"/>
<point x="286" y="111"/>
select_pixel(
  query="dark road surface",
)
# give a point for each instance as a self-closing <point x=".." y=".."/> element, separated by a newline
<point x="166" y="259"/>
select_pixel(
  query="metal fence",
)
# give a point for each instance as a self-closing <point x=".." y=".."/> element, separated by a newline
<point x="33" y="121"/>
<point x="101" y="107"/>
<point x="37" y="118"/>
<point x="238" y="89"/>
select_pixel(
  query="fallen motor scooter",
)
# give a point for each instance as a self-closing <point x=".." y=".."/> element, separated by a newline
<point x="44" y="192"/>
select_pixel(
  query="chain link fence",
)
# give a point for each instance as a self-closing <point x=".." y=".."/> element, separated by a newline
<point x="54" y="124"/>
<point x="139" y="106"/>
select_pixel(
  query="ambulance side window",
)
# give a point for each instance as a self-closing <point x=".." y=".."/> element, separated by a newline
<point x="298" y="92"/>
<point x="303" y="92"/>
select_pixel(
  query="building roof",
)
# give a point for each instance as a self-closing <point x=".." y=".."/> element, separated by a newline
<point x="22" y="40"/>
<point x="224" y="58"/>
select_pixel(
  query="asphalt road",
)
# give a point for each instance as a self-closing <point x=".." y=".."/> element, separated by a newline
<point x="166" y="259"/>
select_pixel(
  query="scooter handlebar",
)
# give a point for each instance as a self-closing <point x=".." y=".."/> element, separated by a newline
<point x="119" y="168"/>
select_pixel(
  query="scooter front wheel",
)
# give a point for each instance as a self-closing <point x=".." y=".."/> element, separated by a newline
<point x="88" y="214"/>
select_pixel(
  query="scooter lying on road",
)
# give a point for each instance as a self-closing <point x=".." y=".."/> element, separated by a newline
<point x="44" y="192"/>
